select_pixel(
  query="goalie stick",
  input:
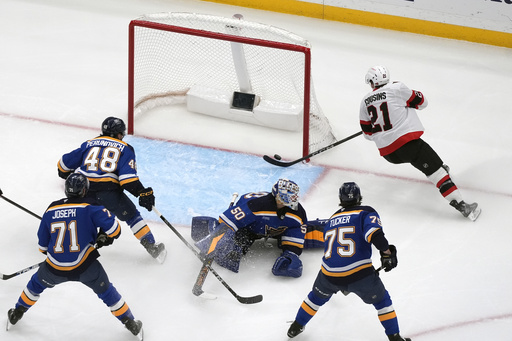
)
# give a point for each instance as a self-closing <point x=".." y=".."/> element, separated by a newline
<point x="19" y="206"/>
<point x="198" y="285"/>
<point x="276" y="162"/>
<point x="19" y="272"/>
<point x="241" y="299"/>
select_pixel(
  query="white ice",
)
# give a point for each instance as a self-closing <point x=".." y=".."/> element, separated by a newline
<point x="63" y="69"/>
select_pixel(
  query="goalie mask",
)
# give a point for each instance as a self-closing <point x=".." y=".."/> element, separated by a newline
<point x="286" y="193"/>
<point x="377" y="76"/>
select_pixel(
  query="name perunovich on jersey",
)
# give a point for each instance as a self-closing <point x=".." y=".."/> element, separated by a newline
<point x="103" y="160"/>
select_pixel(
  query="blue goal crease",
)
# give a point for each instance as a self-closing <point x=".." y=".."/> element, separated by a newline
<point x="193" y="181"/>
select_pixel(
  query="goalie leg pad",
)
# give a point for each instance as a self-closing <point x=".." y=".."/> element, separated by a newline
<point x="208" y="245"/>
<point x="202" y="226"/>
<point x="228" y="253"/>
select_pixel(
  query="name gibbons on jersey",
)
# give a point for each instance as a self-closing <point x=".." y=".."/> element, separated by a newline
<point x="374" y="98"/>
<point x="67" y="213"/>
<point x="105" y="143"/>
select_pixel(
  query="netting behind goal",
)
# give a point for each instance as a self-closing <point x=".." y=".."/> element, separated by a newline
<point x="228" y="68"/>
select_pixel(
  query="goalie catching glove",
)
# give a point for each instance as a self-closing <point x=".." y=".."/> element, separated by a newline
<point x="389" y="261"/>
<point x="288" y="265"/>
<point x="147" y="198"/>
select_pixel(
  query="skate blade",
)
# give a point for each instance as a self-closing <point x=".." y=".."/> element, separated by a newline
<point x="207" y="296"/>
<point x="161" y="257"/>
<point x="140" y="335"/>
<point x="475" y="214"/>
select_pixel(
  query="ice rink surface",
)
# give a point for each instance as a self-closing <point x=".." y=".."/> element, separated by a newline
<point x="63" y="69"/>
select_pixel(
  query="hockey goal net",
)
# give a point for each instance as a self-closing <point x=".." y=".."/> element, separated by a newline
<point x="225" y="67"/>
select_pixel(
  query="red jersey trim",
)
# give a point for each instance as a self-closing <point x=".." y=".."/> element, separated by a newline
<point x="400" y="142"/>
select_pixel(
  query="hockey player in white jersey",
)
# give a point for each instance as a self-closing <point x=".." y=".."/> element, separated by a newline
<point x="388" y="117"/>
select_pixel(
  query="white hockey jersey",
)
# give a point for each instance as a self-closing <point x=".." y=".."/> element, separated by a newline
<point x="388" y="116"/>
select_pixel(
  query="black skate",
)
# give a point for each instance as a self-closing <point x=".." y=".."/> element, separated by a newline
<point x="470" y="211"/>
<point x="397" y="337"/>
<point x="14" y="315"/>
<point x="295" y="329"/>
<point x="156" y="250"/>
<point x="135" y="327"/>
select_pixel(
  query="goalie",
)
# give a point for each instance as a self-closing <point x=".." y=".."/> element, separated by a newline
<point x="277" y="215"/>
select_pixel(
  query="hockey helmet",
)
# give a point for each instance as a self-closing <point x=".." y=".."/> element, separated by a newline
<point x="377" y="76"/>
<point x="286" y="193"/>
<point x="76" y="185"/>
<point x="112" y="126"/>
<point x="350" y="194"/>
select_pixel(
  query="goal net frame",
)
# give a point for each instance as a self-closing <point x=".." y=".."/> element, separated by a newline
<point x="305" y="50"/>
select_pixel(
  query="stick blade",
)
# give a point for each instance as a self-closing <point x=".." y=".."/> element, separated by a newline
<point x="277" y="162"/>
<point x="250" y="300"/>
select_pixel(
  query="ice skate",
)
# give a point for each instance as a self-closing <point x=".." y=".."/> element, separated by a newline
<point x="14" y="315"/>
<point x="397" y="337"/>
<point x="295" y="329"/>
<point x="470" y="211"/>
<point x="156" y="250"/>
<point x="135" y="327"/>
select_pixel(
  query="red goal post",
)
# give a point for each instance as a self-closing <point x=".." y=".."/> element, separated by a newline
<point x="257" y="73"/>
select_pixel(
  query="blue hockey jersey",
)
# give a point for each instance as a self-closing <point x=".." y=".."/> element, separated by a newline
<point x="68" y="231"/>
<point x="106" y="161"/>
<point x="348" y="237"/>
<point x="258" y="212"/>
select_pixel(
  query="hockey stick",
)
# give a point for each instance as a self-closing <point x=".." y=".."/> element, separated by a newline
<point x="19" y="206"/>
<point x="276" y="162"/>
<point x="19" y="272"/>
<point x="198" y="285"/>
<point x="241" y="299"/>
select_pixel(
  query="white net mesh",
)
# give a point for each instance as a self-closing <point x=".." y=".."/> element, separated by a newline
<point x="170" y="57"/>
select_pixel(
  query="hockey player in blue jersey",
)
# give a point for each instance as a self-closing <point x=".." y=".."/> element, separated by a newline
<point x="259" y="215"/>
<point x="70" y="232"/>
<point x="347" y="264"/>
<point x="109" y="164"/>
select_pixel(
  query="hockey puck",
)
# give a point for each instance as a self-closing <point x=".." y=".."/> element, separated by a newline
<point x="277" y="156"/>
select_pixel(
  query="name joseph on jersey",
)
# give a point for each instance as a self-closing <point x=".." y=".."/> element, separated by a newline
<point x="59" y="214"/>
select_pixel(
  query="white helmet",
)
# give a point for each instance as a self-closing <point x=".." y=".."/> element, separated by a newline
<point x="378" y="75"/>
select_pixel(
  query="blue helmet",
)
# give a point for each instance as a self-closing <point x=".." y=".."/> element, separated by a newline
<point x="112" y="126"/>
<point x="76" y="185"/>
<point x="286" y="192"/>
<point x="350" y="194"/>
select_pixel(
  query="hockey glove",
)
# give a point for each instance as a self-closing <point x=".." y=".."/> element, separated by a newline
<point x="389" y="261"/>
<point x="146" y="198"/>
<point x="288" y="265"/>
<point x="103" y="240"/>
